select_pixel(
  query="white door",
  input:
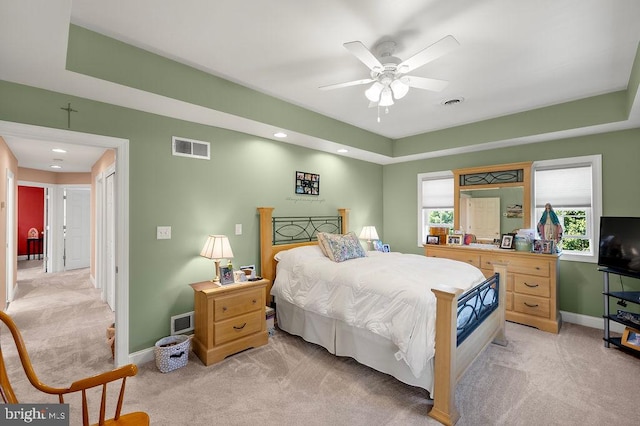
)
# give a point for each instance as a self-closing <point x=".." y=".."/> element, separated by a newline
<point x="12" y="251"/>
<point x="484" y="217"/>
<point x="109" y="242"/>
<point x="77" y="241"/>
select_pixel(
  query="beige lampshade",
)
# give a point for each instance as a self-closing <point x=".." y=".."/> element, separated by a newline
<point x="217" y="247"/>
<point x="369" y="233"/>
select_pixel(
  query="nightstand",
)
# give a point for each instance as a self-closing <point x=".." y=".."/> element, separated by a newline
<point x="228" y="318"/>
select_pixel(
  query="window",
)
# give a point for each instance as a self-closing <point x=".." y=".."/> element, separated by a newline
<point x="435" y="202"/>
<point x="573" y="187"/>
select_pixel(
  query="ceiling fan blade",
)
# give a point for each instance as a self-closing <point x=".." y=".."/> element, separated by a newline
<point x="363" y="54"/>
<point x="428" y="54"/>
<point x="347" y="84"/>
<point x="424" y="83"/>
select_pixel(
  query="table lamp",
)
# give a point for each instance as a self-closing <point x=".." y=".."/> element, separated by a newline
<point x="217" y="247"/>
<point x="369" y="233"/>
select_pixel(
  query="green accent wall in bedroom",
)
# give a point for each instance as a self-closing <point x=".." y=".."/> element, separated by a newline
<point x="198" y="197"/>
<point x="580" y="284"/>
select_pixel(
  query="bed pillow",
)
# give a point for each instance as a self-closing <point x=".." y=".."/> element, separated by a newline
<point x="323" y="244"/>
<point x="343" y="247"/>
<point x="303" y="252"/>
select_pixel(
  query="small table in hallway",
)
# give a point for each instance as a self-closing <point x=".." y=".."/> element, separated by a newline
<point x="30" y="247"/>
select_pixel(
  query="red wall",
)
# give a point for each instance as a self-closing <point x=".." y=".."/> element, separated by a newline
<point x="30" y="214"/>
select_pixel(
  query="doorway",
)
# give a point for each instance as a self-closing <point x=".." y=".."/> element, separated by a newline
<point x="120" y="200"/>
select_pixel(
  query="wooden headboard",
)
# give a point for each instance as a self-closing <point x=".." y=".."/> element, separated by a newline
<point x="283" y="233"/>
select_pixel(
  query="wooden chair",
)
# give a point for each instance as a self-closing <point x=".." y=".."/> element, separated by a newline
<point x="6" y="391"/>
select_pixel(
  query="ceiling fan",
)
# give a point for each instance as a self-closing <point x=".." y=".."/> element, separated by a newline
<point x="389" y="74"/>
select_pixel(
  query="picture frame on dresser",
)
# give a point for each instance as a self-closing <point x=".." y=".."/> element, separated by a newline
<point x="631" y="338"/>
<point x="507" y="241"/>
<point x="433" y="239"/>
<point x="226" y="275"/>
<point x="454" y="240"/>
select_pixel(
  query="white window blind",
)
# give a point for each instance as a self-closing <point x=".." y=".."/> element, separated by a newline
<point x="437" y="193"/>
<point x="566" y="187"/>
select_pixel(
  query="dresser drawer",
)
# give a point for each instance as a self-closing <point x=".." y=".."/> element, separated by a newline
<point x="237" y="303"/>
<point x="240" y="326"/>
<point x="531" y="305"/>
<point x="509" y="305"/>
<point x="530" y="284"/>
<point x="461" y="255"/>
<point x="517" y="265"/>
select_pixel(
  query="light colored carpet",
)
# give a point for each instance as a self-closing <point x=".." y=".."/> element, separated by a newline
<point x="538" y="379"/>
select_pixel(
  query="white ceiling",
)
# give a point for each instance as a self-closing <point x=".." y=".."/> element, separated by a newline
<point x="513" y="55"/>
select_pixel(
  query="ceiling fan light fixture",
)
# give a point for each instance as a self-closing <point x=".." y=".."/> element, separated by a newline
<point x="386" y="98"/>
<point x="399" y="89"/>
<point x="373" y="92"/>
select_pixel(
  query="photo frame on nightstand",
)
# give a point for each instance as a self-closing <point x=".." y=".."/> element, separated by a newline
<point x="226" y="275"/>
<point x="455" y="240"/>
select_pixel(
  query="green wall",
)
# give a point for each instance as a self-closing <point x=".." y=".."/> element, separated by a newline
<point x="580" y="284"/>
<point x="198" y="197"/>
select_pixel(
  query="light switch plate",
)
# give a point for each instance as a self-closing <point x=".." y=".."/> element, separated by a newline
<point x="238" y="229"/>
<point x="163" y="233"/>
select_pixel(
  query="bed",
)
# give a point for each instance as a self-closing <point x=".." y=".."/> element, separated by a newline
<point x="399" y="335"/>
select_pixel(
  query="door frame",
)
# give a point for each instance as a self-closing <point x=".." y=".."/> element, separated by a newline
<point x="10" y="226"/>
<point x="121" y="147"/>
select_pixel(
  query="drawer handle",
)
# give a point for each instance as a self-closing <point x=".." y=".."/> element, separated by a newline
<point x="239" y="328"/>
<point x="531" y="306"/>
<point x="538" y="268"/>
<point x="224" y="309"/>
<point x="254" y="301"/>
<point x="531" y="285"/>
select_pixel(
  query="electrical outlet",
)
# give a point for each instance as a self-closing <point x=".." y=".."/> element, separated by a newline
<point x="163" y="233"/>
<point x="238" y="229"/>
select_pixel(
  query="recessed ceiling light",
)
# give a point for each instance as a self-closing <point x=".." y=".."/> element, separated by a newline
<point x="59" y="150"/>
<point x="55" y="166"/>
<point x="342" y="150"/>
<point x="280" y="135"/>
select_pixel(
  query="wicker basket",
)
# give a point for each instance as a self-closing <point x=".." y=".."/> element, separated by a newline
<point x="172" y="352"/>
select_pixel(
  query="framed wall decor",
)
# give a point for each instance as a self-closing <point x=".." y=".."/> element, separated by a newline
<point x="307" y="183"/>
<point x="507" y="241"/>
<point x="433" y="239"/>
<point x="226" y="275"/>
<point x="631" y="338"/>
<point x="454" y="239"/>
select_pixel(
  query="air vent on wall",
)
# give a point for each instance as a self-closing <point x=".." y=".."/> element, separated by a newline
<point x="190" y="148"/>
<point x="182" y="323"/>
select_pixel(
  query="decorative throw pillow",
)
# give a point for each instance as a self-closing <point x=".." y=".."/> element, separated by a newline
<point x="343" y="247"/>
<point x="322" y="243"/>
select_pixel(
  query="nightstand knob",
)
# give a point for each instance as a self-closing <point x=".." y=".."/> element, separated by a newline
<point x="254" y="301"/>
<point x="224" y="309"/>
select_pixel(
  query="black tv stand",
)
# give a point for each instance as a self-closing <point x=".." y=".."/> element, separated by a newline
<point x="626" y="297"/>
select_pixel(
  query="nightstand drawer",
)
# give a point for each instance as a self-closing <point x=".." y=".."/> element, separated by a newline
<point x="237" y="303"/>
<point x="238" y="327"/>
<point x="531" y="305"/>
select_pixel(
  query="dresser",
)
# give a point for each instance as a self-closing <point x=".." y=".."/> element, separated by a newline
<point x="228" y="319"/>
<point x="532" y="281"/>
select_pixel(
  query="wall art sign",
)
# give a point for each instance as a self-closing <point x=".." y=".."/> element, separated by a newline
<point x="307" y="183"/>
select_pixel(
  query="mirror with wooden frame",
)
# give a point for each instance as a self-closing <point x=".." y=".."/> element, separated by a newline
<point x="492" y="200"/>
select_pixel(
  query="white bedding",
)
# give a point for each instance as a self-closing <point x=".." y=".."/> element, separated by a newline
<point x="385" y="293"/>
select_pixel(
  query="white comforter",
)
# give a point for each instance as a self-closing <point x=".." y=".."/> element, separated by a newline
<point x="385" y="293"/>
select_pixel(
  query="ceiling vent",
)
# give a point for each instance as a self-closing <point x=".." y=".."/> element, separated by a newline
<point x="184" y="147"/>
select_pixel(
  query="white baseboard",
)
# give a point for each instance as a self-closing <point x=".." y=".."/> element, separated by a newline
<point x="593" y="322"/>
<point x="142" y="356"/>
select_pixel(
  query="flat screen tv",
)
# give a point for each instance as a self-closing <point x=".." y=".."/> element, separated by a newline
<point x="619" y="247"/>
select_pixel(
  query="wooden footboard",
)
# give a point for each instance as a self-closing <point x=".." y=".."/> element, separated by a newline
<point x="451" y="360"/>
